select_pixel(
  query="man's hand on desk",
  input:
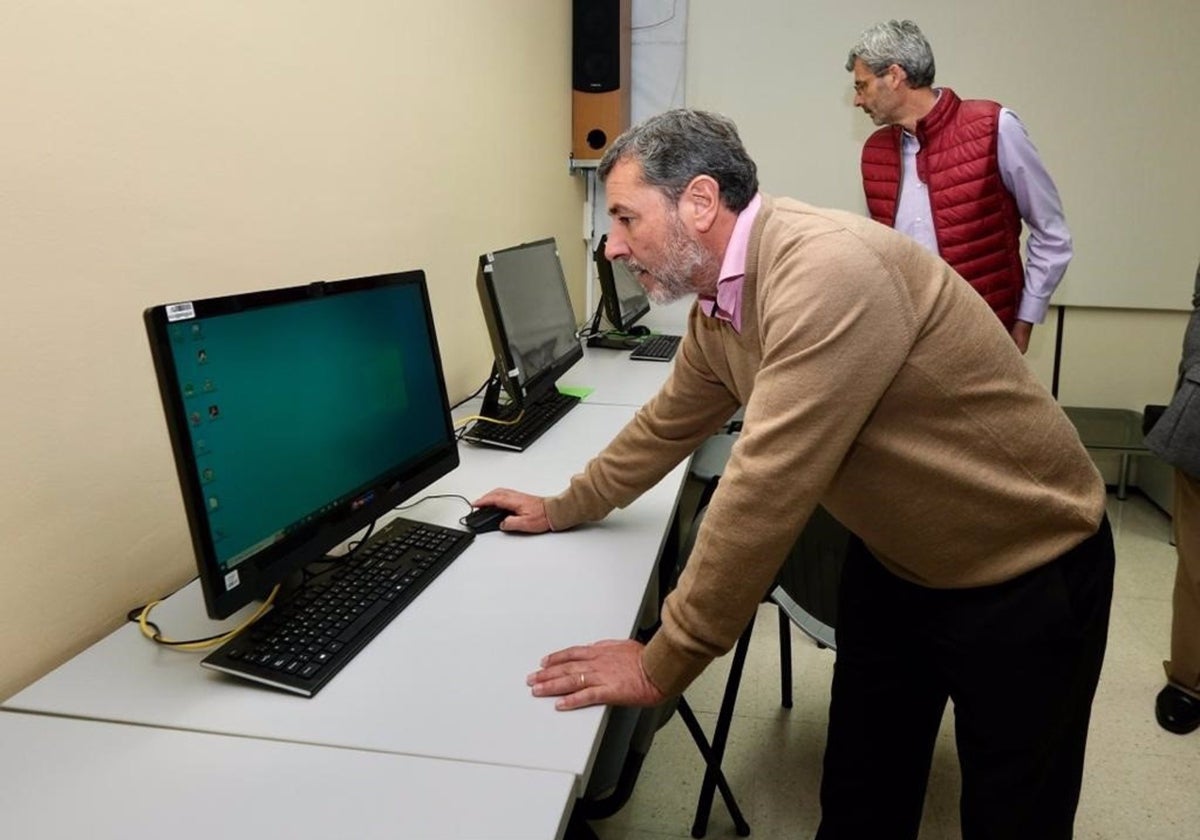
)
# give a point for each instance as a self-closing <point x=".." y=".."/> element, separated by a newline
<point x="605" y="673"/>
<point x="528" y="512"/>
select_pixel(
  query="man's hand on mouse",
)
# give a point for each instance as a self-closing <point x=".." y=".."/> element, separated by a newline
<point x="528" y="512"/>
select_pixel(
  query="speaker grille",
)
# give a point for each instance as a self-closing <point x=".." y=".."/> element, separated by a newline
<point x="596" y="50"/>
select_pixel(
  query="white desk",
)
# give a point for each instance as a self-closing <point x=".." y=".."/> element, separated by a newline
<point x="64" y="778"/>
<point x="614" y="378"/>
<point x="618" y="380"/>
<point x="446" y="679"/>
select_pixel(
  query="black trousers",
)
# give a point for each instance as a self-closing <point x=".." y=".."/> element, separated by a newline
<point x="1020" y="660"/>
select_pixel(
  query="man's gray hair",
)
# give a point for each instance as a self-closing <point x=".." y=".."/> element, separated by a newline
<point x="895" y="42"/>
<point x="677" y="145"/>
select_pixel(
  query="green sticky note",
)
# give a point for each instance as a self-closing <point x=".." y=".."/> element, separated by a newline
<point x="582" y="393"/>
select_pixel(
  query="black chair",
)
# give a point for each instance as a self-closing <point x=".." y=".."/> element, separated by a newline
<point x="671" y="561"/>
<point x="630" y="733"/>
<point x="806" y="594"/>
<point x="619" y="758"/>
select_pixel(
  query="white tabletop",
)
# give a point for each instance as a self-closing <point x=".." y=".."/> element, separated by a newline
<point x="446" y="678"/>
<point x="61" y="777"/>
<point x="612" y="378"/>
<point x="616" y="379"/>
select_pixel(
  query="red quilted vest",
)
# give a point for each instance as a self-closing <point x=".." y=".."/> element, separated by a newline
<point x="976" y="220"/>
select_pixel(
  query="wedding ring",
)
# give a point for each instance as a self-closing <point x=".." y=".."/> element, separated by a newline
<point x="582" y="680"/>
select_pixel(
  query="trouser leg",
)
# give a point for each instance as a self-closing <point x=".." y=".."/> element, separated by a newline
<point x="1183" y="669"/>
<point x="1021" y="661"/>
<point x="884" y="713"/>
<point x="1024" y="667"/>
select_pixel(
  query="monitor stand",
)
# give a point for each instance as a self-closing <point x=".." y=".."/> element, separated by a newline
<point x="492" y="407"/>
<point x="614" y="342"/>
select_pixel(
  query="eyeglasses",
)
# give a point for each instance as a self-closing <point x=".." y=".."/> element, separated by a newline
<point x="860" y="85"/>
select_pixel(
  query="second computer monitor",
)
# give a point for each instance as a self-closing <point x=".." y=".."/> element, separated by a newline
<point x="621" y="294"/>
<point x="529" y="317"/>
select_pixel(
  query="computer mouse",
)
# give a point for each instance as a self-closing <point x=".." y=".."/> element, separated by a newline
<point x="486" y="518"/>
<point x="639" y="329"/>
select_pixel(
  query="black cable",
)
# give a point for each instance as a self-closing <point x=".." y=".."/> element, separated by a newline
<point x="353" y="547"/>
<point x="307" y="574"/>
<point x="435" y="496"/>
<point x="357" y="544"/>
<point x="477" y="392"/>
<point x="465" y="500"/>
<point x="593" y="327"/>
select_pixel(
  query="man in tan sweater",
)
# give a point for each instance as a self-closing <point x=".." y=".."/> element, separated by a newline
<point x="876" y="382"/>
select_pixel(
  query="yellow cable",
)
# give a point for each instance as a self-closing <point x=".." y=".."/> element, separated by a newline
<point x="464" y="421"/>
<point x="201" y="644"/>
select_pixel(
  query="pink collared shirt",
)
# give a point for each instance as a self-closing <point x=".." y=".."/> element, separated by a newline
<point x="727" y="305"/>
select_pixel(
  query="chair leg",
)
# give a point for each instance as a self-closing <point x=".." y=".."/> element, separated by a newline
<point x="720" y="738"/>
<point x="693" y="725"/>
<point x="577" y="825"/>
<point x="785" y="659"/>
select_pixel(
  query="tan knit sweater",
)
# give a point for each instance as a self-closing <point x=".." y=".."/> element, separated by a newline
<point x="876" y="382"/>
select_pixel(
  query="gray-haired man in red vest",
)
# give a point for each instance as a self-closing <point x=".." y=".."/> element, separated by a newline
<point x="958" y="176"/>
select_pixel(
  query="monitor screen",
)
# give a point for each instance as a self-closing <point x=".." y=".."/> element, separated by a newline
<point x="529" y="317"/>
<point x="621" y="294"/>
<point x="297" y="416"/>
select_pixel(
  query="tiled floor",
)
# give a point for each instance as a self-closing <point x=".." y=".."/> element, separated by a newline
<point x="1140" y="782"/>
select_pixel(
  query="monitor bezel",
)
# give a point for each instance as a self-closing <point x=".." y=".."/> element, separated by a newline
<point x="610" y="298"/>
<point x="282" y="560"/>
<point x="520" y="392"/>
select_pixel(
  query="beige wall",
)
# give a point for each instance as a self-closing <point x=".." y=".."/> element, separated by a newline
<point x="157" y="151"/>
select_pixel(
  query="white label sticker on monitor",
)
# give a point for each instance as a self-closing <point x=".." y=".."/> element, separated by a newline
<point x="180" y="311"/>
<point x="232" y="580"/>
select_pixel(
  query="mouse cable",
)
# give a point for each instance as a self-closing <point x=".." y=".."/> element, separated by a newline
<point x="331" y="561"/>
<point x="459" y="496"/>
<point x="464" y="499"/>
<point x="152" y="632"/>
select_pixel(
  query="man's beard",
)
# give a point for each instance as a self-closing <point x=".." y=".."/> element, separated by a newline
<point x="685" y="262"/>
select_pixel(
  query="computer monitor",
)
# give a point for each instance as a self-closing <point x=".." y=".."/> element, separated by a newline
<point x="621" y="295"/>
<point x="297" y="416"/>
<point x="529" y="319"/>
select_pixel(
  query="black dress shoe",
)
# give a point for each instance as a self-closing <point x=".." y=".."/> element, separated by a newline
<point x="1177" y="711"/>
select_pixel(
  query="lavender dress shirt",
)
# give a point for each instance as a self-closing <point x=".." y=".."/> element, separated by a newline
<point x="1048" y="247"/>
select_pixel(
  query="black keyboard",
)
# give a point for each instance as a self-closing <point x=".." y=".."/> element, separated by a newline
<point x="300" y="644"/>
<point x="657" y="348"/>
<point x="536" y="419"/>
